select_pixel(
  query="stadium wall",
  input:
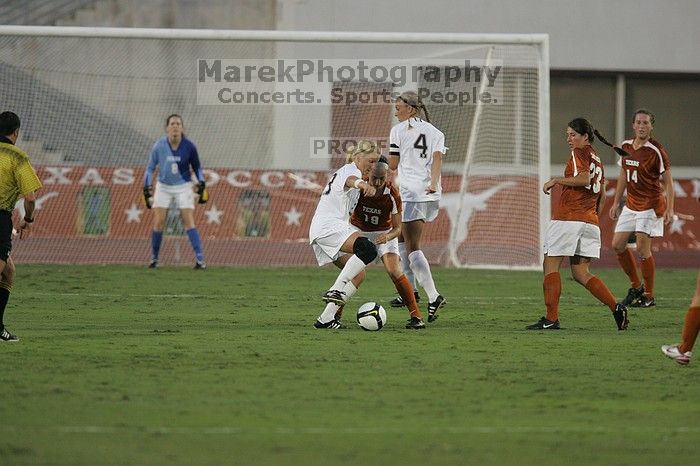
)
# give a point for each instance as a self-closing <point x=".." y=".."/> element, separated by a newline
<point x="659" y="36"/>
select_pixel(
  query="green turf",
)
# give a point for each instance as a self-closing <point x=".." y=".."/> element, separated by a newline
<point x="123" y="365"/>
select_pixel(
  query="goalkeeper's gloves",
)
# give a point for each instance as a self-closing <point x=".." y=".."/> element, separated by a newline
<point x="202" y="192"/>
<point x="148" y="196"/>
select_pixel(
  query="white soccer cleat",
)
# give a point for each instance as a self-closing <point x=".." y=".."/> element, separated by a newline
<point x="674" y="353"/>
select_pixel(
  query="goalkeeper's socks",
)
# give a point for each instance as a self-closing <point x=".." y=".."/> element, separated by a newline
<point x="156" y="240"/>
<point x="193" y="235"/>
<point x="421" y="268"/>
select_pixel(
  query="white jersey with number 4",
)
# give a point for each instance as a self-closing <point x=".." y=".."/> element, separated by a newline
<point x="415" y="141"/>
<point x="333" y="209"/>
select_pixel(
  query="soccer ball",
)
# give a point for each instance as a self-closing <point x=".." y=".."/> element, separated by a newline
<point x="371" y="316"/>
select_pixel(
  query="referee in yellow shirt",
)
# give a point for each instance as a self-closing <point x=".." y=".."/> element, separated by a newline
<point x="17" y="178"/>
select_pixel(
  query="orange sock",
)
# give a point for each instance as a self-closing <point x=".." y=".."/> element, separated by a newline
<point x="552" y="292"/>
<point x="690" y="329"/>
<point x="403" y="286"/>
<point x="629" y="265"/>
<point x="648" y="269"/>
<point x="598" y="289"/>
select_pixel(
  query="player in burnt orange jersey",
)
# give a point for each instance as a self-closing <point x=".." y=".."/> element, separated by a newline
<point x="573" y="231"/>
<point x="646" y="208"/>
<point x="379" y="218"/>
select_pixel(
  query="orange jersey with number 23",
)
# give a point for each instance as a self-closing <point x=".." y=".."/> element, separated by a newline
<point x="579" y="203"/>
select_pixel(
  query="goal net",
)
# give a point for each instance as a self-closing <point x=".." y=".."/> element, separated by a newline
<point x="272" y="114"/>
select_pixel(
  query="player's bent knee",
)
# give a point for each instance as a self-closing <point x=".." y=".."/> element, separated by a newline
<point x="365" y="250"/>
<point x="619" y="248"/>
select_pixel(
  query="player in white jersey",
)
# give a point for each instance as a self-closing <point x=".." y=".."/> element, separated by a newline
<point x="416" y="149"/>
<point x="331" y="235"/>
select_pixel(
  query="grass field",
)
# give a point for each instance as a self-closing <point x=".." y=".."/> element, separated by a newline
<point x="124" y="365"/>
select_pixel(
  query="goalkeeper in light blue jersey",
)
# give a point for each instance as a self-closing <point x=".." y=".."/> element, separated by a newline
<point x="176" y="158"/>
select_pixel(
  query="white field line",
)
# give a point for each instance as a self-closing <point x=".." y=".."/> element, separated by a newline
<point x="232" y="430"/>
<point x="450" y="299"/>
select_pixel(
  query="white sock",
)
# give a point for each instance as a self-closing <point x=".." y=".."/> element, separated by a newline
<point x="328" y="313"/>
<point x="406" y="266"/>
<point x="349" y="290"/>
<point x="353" y="266"/>
<point x="419" y="265"/>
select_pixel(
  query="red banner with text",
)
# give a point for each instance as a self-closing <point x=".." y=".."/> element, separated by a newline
<point x="97" y="215"/>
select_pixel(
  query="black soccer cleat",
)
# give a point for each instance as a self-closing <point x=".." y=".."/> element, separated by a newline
<point x="334" y="296"/>
<point x="633" y="295"/>
<point x="544" y="324"/>
<point x="398" y="301"/>
<point x="333" y="324"/>
<point x="415" y="324"/>
<point x="434" y="308"/>
<point x="620" y="315"/>
<point x="7" y="336"/>
<point x="153" y="264"/>
<point x="645" y="302"/>
<point x="199" y="265"/>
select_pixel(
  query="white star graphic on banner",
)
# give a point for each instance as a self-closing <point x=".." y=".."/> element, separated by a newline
<point x="214" y="215"/>
<point x="133" y="214"/>
<point x="677" y="225"/>
<point x="293" y="216"/>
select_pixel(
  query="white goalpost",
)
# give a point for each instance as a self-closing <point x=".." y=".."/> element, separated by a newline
<point x="272" y="113"/>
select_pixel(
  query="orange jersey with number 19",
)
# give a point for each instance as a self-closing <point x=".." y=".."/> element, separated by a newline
<point x="579" y="203"/>
<point x="374" y="213"/>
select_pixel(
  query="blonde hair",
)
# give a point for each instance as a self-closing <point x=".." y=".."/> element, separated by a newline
<point x="363" y="147"/>
<point x="412" y="99"/>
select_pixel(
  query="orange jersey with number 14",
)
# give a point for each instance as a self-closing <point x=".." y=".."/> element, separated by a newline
<point x="642" y="168"/>
<point x="374" y="213"/>
<point x="579" y="203"/>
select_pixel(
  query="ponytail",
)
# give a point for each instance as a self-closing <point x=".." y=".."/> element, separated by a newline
<point x="412" y="99"/>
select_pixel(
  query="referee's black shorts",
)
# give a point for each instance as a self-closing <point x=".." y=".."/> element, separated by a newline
<point x="5" y="234"/>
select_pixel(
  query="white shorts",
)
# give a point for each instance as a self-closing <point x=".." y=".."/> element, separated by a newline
<point x="644" y="221"/>
<point x="390" y="247"/>
<point x="327" y="248"/>
<point x="567" y="238"/>
<point x="181" y="193"/>
<point x="426" y="210"/>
